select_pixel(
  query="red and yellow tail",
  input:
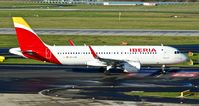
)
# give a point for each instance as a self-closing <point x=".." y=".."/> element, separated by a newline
<point x="30" y="44"/>
<point x="27" y="38"/>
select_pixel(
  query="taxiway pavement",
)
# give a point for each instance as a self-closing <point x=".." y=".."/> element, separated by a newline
<point x="33" y="78"/>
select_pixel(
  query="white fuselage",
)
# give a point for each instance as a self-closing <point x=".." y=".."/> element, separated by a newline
<point x="81" y="55"/>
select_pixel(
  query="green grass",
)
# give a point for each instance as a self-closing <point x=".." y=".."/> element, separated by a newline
<point x="133" y="17"/>
<point x="102" y="20"/>
<point x="163" y="94"/>
<point x="195" y="56"/>
<point x="11" y="40"/>
<point x="22" y="61"/>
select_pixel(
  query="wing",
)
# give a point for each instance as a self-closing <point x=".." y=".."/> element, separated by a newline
<point x="106" y="60"/>
<point x="127" y="65"/>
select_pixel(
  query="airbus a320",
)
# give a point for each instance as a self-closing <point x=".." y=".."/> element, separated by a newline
<point x="127" y="58"/>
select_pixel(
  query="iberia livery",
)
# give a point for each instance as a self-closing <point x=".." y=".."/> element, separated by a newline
<point x="128" y="58"/>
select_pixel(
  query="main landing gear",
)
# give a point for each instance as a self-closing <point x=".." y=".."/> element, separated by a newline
<point x="163" y="69"/>
<point x="104" y="70"/>
<point x="107" y="71"/>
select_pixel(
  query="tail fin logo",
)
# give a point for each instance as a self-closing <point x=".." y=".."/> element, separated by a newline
<point x="27" y="38"/>
<point x="19" y="22"/>
<point x="30" y="44"/>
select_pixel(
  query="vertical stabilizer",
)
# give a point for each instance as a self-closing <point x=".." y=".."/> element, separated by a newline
<point x="27" y="38"/>
<point x="30" y="44"/>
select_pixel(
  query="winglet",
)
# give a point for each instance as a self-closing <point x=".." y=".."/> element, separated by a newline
<point x="71" y="42"/>
<point x="93" y="52"/>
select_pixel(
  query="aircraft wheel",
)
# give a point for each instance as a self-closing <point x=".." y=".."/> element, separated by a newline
<point x="107" y="72"/>
<point x="102" y="69"/>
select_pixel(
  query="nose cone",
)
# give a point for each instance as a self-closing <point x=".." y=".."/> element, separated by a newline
<point x="180" y="58"/>
<point x="183" y="58"/>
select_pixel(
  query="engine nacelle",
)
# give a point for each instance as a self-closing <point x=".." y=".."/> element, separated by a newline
<point x="131" y="66"/>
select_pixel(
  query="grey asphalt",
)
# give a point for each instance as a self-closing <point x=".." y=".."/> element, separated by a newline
<point x="115" y="93"/>
<point x="124" y="32"/>
<point x="81" y="75"/>
<point x="32" y="78"/>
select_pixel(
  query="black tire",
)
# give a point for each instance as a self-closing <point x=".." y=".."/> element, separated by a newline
<point x="102" y="69"/>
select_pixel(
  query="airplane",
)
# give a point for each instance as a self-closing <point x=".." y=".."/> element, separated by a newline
<point x="127" y="58"/>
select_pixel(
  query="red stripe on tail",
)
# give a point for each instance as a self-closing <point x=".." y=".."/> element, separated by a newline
<point x="28" y="41"/>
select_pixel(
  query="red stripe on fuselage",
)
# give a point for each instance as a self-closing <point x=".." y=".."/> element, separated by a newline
<point x="28" y="41"/>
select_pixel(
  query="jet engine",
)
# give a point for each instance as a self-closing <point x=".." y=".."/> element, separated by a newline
<point x="131" y="66"/>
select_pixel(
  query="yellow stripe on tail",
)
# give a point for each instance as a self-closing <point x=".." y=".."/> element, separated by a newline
<point x="20" y="20"/>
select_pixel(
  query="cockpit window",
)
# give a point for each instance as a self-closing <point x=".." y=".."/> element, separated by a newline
<point x="177" y="52"/>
